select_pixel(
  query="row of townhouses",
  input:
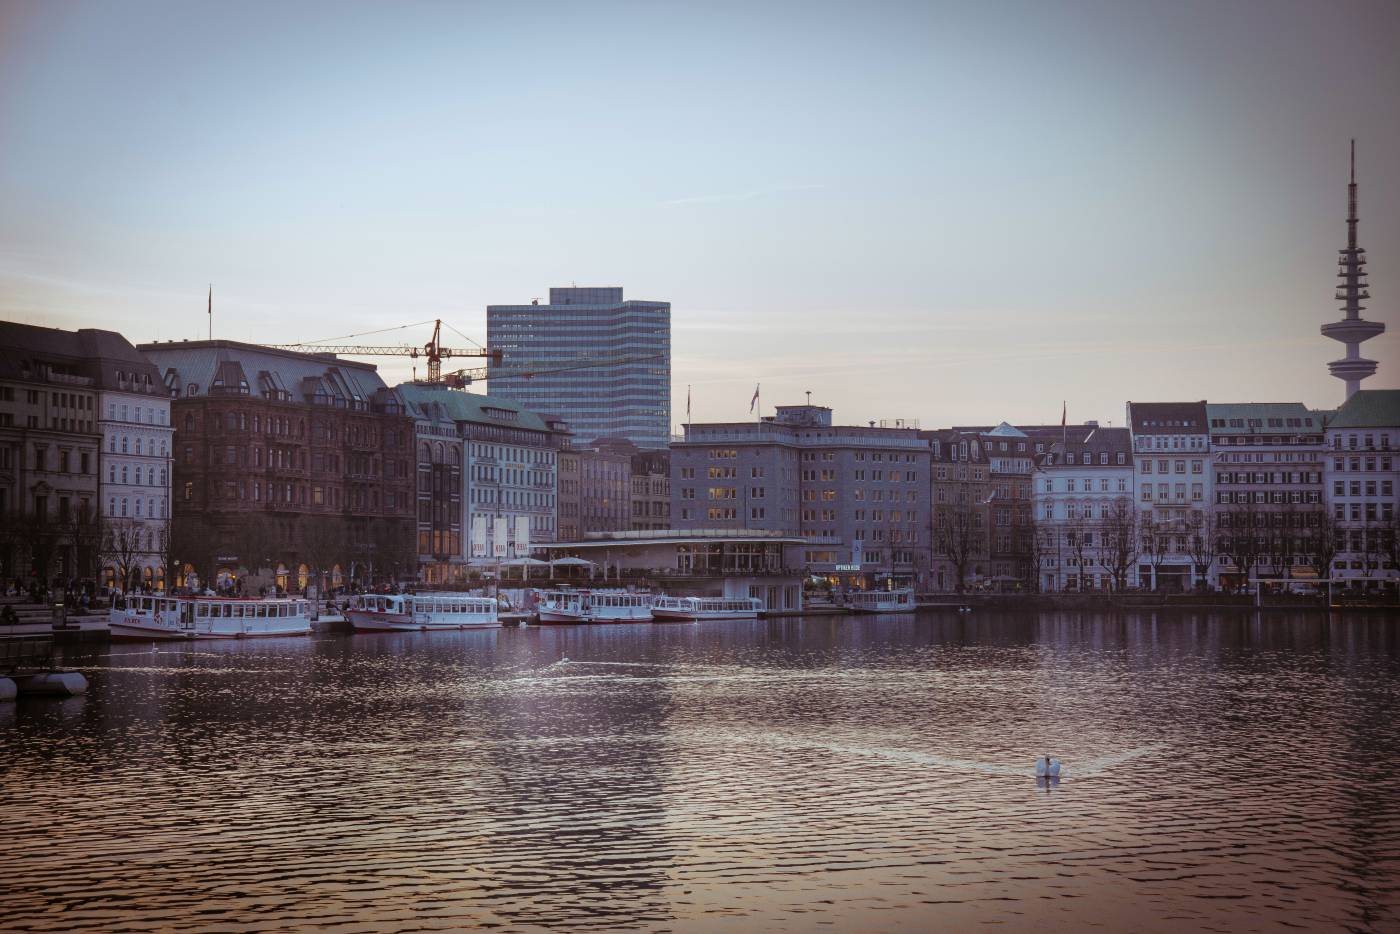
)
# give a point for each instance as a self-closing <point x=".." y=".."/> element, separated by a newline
<point x="210" y="460"/>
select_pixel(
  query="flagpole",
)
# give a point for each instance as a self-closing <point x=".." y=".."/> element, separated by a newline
<point x="211" y="311"/>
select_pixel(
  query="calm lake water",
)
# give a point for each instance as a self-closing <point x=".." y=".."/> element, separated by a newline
<point x="1222" y="773"/>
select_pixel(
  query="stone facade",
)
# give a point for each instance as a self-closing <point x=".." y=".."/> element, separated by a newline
<point x="1085" y="515"/>
<point x="290" y="462"/>
<point x="50" y="456"/>
<point x="1362" y="489"/>
<point x="857" y="495"/>
<point x="1171" y="448"/>
<point x="1267" y="472"/>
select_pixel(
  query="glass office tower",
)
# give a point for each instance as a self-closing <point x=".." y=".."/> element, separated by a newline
<point x="600" y="363"/>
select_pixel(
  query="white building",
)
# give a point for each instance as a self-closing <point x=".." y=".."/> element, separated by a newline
<point x="1171" y="447"/>
<point x="133" y="417"/>
<point x="1361" y="485"/>
<point x="1080" y="488"/>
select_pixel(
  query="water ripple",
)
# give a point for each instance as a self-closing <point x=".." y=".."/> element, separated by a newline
<point x="1221" y="774"/>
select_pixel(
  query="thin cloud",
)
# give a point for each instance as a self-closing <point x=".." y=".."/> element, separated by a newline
<point x="741" y="195"/>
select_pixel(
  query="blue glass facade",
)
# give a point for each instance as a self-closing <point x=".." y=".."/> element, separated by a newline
<point x="616" y="394"/>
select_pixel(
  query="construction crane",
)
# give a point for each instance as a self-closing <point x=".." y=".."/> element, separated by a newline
<point x="460" y="379"/>
<point x="433" y="350"/>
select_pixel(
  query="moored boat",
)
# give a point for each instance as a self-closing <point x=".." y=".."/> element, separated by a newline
<point x="686" y="609"/>
<point x="146" y="618"/>
<point x="422" y="612"/>
<point x="563" y="606"/>
<point x="880" y="601"/>
<point x="620" y="606"/>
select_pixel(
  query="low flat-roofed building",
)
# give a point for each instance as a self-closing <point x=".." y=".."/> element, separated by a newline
<point x="733" y="563"/>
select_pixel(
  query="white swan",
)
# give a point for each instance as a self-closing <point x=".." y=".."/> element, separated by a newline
<point x="1047" y="767"/>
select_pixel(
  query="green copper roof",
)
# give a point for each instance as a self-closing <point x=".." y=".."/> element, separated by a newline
<point x="461" y="406"/>
<point x="1369" y="408"/>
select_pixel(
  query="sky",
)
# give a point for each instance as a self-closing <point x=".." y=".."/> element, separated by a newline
<point x="954" y="213"/>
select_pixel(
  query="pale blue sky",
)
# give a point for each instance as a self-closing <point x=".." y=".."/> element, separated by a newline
<point x="953" y="212"/>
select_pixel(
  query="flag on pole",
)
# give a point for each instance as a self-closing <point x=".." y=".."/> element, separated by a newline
<point x="754" y="401"/>
<point x="1064" y="422"/>
<point x="211" y="311"/>
<point x="687" y="404"/>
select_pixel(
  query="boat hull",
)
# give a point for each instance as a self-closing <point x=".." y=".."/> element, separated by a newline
<point x="364" y="621"/>
<point x="563" y="617"/>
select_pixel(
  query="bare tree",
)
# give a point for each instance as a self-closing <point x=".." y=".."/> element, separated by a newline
<point x="13" y="544"/>
<point x="1119" y="543"/>
<point x="123" y="542"/>
<point x="1200" y="541"/>
<point x="1240" y="539"/>
<point x="1156" y="545"/>
<point x="322" y="542"/>
<point x="1078" y="545"/>
<point x="1324" y="541"/>
<point x="257" y="542"/>
<point x="1390" y="540"/>
<point x="958" y="537"/>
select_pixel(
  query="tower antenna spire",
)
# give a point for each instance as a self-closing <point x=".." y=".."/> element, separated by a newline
<point x="1352" y="289"/>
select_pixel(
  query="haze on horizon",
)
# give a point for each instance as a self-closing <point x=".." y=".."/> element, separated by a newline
<point x="959" y="213"/>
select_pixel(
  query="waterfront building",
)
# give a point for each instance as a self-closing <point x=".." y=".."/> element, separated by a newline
<point x="298" y="463"/>
<point x="568" y="500"/>
<point x="439" y="514"/>
<point x="1267" y="472"/>
<point x="1352" y="330"/>
<point x="1011" y="546"/>
<point x="510" y="475"/>
<point x="1171" y="447"/>
<point x="959" y="482"/>
<point x="601" y="363"/>
<point x="651" y="490"/>
<point x="857" y="495"/>
<point x="50" y="444"/>
<point x="1362" y="488"/>
<point x="734" y="564"/>
<point x="605" y="485"/>
<point x="1085" y="515"/>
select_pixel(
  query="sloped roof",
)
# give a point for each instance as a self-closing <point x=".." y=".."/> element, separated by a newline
<point x="97" y="354"/>
<point x="1261" y="412"/>
<point x="1369" y="408"/>
<point x="1005" y="430"/>
<point x="462" y="406"/>
<point x="198" y="362"/>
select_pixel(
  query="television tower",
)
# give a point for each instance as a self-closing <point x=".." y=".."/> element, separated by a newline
<point x="1352" y="329"/>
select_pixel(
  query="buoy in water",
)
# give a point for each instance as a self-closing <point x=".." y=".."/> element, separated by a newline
<point x="1046" y="767"/>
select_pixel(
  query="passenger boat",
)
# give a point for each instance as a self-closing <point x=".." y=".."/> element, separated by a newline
<point x="620" y="606"/>
<point x="696" y="608"/>
<point x="880" y="601"/>
<point x="421" y="612"/>
<point x="594" y="606"/>
<point x="563" y="606"/>
<point x="144" y="618"/>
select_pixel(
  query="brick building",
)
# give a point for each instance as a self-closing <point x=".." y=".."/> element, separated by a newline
<point x="300" y="464"/>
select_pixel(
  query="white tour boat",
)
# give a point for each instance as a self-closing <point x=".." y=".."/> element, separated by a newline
<point x="594" y="606"/>
<point x="144" y="617"/>
<point x="563" y="606"/>
<point x="422" y="612"/>
<point x="620" y="606"/>
<point x="880" y="601"/>
<point x="695" y="608"/>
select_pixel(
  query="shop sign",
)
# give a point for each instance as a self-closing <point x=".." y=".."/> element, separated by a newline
<point x="848" y="567"/>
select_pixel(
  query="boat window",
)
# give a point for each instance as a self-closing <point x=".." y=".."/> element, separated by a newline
<point x="201" y="610"/>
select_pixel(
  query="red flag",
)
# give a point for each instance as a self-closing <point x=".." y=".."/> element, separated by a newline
<point x="754" y="401"/>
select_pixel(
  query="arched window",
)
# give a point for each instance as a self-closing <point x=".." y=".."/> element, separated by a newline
<point x="189" y="421"/>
